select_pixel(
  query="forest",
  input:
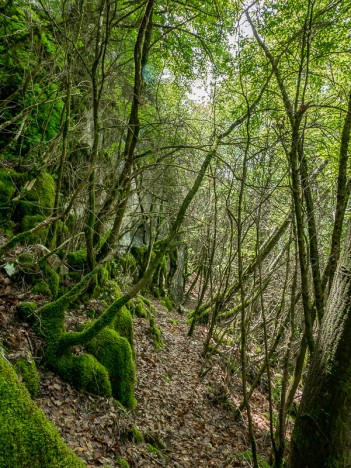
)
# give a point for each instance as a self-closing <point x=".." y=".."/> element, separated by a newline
<point x="175" y="234"/>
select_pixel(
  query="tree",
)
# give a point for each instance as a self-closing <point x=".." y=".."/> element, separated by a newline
<point x="321" y="436"/>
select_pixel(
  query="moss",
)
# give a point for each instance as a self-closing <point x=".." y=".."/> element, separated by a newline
<point x="44" y="189"/>
<point x="28" y="374"/>
<point x="27" y="437"/>
<point x="137" y="435"/>
<point x="167" y="302"/>
<point x="114" y="352"/>
<point x="6" y="193"/>
<point x="50" y="324"/>
<point x="159" y="278"/>
<point x="146" y="301"/>
<point x="156" y="334"/>
<point x="154" y="440"/>
<point x="77" y="260"/>
<point x="27" y="223"/>
<point x="38" y="201"/>
<point x="102" y="282"/>
<point x="172" y="321"/>
<point x="25" y="208"/>
<point x="42" y="287"/>
<point x="122" y="462"/>
<point x="127" y="263"/>
<point x="52" y="278"/>
<point x="26" y="310"/>
<point x="84" y="372"/>
<point x="8" y="179"/>
<point x="25" y="258"/>
<point x="123" y="324"/>
<point x="140" y="254"/>
<point x="103" y="276"/>
<point x="155" y="450"/>
<point x="137" y="307"/>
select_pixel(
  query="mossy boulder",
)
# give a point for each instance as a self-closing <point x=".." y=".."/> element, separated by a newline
<point x="26" y="310"/>
<point x="27" y="437"/>
<point x="123" y="324"/>
<point x="138" y="307"/>
<point x="28" y="374"/>
<point x="85" y="373"/>
<point x="52" y="279"/>
<point x="127" y="264"/>
<point x="30" y="221"/>
<point x="37" y="198"/>
<point x="40" y="274"/>
<point x="115" y="354"/>
<point x="6" y="192"/>
<point x="44" y="190"/>
<point x="9" y="180"/>
<point x="77" y="261"/>
<point x="27" y="268"/>
<point x="42" y="287"/>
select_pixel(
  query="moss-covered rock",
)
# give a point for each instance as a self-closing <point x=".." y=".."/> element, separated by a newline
<point x="77" y="261"/>
<point x="6" y="192"/>
<point x="27" y="310"/>
<point x="30" y="221"/>
<point x="42" y="287"/>
<point x="28" y="374"/>
<point x="85" y="373"/>
<point x="138" y="307"/>
<point x="115" y="354"/>
<point x="52" y="279"/>
<point x="36" y="200"/>
<point x="124" y="325"/>
<point x="102" y="283"/>
<point x="27" y="437"/>
<point x="44" y="190"/>
<point x="127" y="264"/>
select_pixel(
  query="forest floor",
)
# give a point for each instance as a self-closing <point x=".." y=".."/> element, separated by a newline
<point x="185" y="420"/>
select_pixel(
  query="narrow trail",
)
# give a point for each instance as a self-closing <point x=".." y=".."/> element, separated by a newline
<point x="181" y="415"/>
<point x="189" y="421"/>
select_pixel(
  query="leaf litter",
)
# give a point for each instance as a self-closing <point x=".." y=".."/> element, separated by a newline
<point x="181" y="416"/>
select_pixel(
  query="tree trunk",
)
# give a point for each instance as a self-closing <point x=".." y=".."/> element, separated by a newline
<point x="322" y="433"/>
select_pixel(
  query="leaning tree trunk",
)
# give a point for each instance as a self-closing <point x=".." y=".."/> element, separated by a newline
<point x="322" y="433"/>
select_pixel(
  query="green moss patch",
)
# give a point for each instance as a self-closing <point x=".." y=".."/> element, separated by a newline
<point x="167" y="302"/>
<point x="77" y="261"/>
<point x="84" y="372"/>
<point x="122" y="462"/>
<point x="123" y="324"/>
<point x="28" y="374"/>
<point x="155" y="334"/>
<point x="115" y="354"/>
<point x="29" y="222"/>
<point x="41" y="287"/>
<point x="27" y="437"/>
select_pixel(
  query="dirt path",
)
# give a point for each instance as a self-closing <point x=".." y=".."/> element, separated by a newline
<point x="186" y="418"/>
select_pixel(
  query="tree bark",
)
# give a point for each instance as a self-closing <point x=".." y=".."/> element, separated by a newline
<point x="322" y="434"/>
